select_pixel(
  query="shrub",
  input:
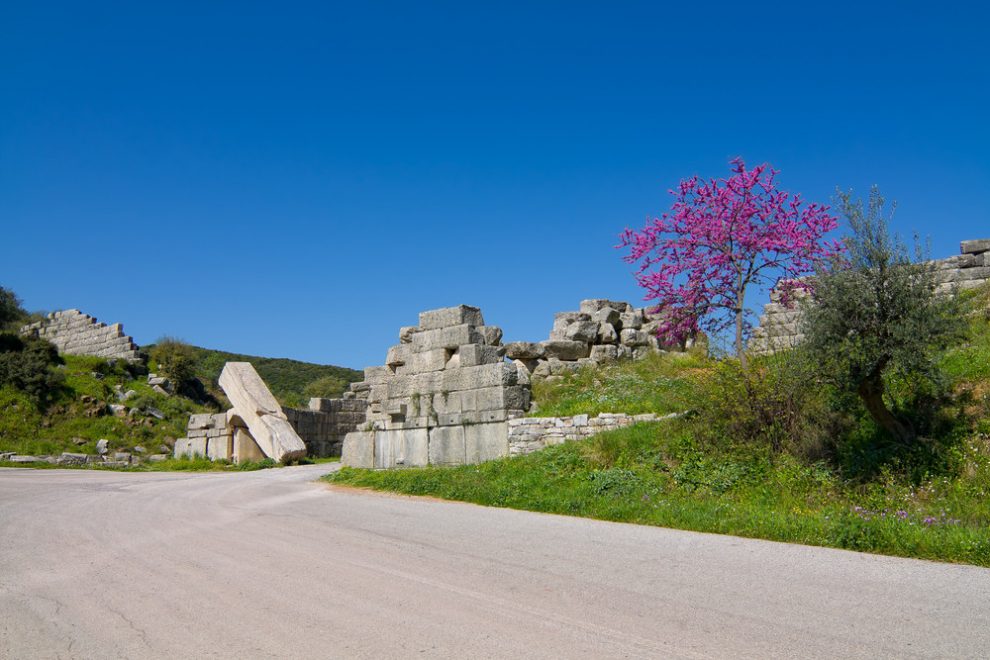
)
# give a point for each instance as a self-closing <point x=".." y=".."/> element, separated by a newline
<point x="327" y="387"/>
<point x="174" y="359"/>
<point x="775" y="402"/>
<point x="11" y="312"/>
<point x="26" y="363"/>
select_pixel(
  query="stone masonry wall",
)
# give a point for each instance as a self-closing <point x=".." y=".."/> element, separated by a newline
<point x="75" y="333"/>
<point x="323" y="426"/>
<point x="529" y="434"/>
<point x="443" y="397"/>
<point x="780" y="325"/>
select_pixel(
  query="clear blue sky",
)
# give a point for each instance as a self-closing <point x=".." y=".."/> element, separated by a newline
<point x="300" y="179"/>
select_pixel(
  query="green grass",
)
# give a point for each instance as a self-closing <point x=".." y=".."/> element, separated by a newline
<point x="69" y="422"/>
<point x="660" y="383"/>
<point x="655" y="474"/>
<point x="285" y="378"/>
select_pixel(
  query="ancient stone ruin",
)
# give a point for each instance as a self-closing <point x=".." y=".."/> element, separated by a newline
<point x="444" y="396"/>
<point x="255" y="425"/>
<point x="780" y="324"/>
<point x="75" y="333"/>
<point x="602" y="331"/>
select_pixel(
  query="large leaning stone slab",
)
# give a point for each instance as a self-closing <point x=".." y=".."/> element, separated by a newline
<point x="253" y="402"/>
<point x="450" y="316"/>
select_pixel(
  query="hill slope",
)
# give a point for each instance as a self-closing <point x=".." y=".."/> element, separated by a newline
<point x="286" y="378"/>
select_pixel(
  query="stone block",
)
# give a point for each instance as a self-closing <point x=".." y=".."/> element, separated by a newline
<point x="592" y="305"/>
<point x="447" y="317"/>
<point x="607" y="334"/>
<point x="261" y="413"/>
<point x="447" y="445"/>
<point x="181" y="448"/>
<point x="200" y="421"/>
<point x="473" y="355"/>
<point x="402" y="448"/>
<point x="376" y="375"/>
<point x="197" y="447"/>
<point x="604" y="353"/>
<point x="406" y="332"/>
<point x="72" y="458"/>
<point x="485" y="375"/>
<point x="492" y="334"/>
<point x="634" y="338"/>
<point x="584" y="331"/>
<point x="524" y="350"/>
<point x="495" y="398"/>
<point x="607" y="315"/>
<point x="244" y="448"/>
<point x="566" y="350"/>
<point x="359" y="449"/>
<point x="448" y="337"/>
<point x="220" y="447"/>
<point x="398" y="355"/>
<point x="485" y="442"/>
<point x="975" y="247"/>
<point x="426" y="361"/>
<point x="632" y="320"/>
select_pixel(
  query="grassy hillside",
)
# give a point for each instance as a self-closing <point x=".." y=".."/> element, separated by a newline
<point x="770" y="454"/>
<point x="79" y="413"/>
<point x="286" y="378"/>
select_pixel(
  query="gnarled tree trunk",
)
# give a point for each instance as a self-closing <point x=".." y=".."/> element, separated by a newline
<point x="871" y="392"/>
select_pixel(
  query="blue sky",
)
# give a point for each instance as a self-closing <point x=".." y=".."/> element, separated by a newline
<point x="300" y="179"/>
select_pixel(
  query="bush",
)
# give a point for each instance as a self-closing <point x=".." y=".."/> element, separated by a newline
<point x="327" y="387"/>
<point x="174" y="359"/>
<point x="11" y="312"/>
<point x="26" y="363"/>
<point x="775" y="402"/>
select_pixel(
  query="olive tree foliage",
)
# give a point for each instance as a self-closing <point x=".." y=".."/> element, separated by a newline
<point x="876" y="313"/>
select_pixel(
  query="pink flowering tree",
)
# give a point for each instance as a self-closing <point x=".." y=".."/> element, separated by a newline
<point x="721" y="237"/>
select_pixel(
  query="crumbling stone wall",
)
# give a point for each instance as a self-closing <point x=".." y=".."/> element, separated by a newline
<point x="780" y="324"/>
<point x="443" y="397"/>
<point x="603" y="330"/>
<point x="75" y="333"/>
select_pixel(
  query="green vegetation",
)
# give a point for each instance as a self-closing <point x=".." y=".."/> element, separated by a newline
<point x="174" y="359"/>
<point x="287" y="379"/>
<point x="78" y="414"/>
<point x="658" y="383"/>
<point x="658" y="474"/>
<point x="876" y="316"/>
<point x="772" y="451"/>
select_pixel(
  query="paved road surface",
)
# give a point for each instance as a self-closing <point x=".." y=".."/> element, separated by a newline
<point x="270" y="564"/>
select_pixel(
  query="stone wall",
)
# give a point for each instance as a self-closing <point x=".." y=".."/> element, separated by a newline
<point x="443" y="397"/>
<point x="780" y="324"/>
<point x="323" y="426"/>
<point x="530" y="434"/>
<point x="601" y="331"/>
<point x="75" y="333"/>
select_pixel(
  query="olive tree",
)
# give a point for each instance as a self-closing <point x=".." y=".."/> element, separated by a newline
<point x="877" y="312"/>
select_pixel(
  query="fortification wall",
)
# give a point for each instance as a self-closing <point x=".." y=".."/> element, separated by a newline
<point x="780" y="324"/>
<point x="529" y="434"/>
<point x="75" y="333"/>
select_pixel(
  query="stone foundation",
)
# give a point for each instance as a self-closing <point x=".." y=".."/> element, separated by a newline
<point x="75" y="333"/>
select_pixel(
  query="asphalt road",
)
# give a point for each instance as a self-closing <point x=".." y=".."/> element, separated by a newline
<point x="271" y="564"/>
